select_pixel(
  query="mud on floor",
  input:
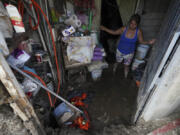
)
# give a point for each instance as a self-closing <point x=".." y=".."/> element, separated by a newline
<point x="111" y="110"/>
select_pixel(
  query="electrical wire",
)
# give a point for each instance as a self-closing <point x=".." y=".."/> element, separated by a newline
<point x="21" y="8"/>
<point x="54" y="46"/>
<point x="30" y="21"/>
<point x="40" y="79"/>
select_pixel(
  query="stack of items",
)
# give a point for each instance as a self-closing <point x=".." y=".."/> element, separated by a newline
<point x="140" y="56"/>
<point x="98" y="54"/>
<point x="96" y="69"/>
<point x="139" y="63"/>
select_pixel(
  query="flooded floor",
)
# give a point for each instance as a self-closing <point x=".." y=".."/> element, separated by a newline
<point x="111" y="109"/>
<point x="114" y="100"/>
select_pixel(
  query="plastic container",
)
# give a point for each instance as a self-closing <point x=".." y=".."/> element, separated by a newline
<point x="136" y="63"/>
<point x="16" y="19"/>
<point x="142" y="51"/>
<point x="94" y="37"/>
<point x="18" y="58"/>
<point x="96" y="74"/>
<point x="68" y="31"/>
<point x="62" y="113"/>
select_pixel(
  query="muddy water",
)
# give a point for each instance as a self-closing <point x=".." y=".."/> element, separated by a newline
<point x="114" y="100"/>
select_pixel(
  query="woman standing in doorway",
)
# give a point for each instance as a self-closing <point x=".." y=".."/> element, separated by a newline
<point x="129" y="36"/>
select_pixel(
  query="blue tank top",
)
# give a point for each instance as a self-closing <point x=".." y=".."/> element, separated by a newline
<point x="127" y="45"/>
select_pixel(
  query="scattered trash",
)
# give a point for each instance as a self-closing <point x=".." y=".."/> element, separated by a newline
<point x="63" y="113"/>
<point x="39" y="56"/>
<point x="82" y="121"/>
<point x="68" y="31"/>
<point x="73" y="21"/>
<point x="138" y="72"/>
<point x="136" y="63"/>
<point x="16" y="19"/>
<point x="78" y="93"/>
<point x="29" y="86"/>
<point x="80" y="49"/>
<point x="18" y="57"/>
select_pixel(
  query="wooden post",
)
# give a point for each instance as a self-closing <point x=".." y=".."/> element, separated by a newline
<point x="20" y="104"/>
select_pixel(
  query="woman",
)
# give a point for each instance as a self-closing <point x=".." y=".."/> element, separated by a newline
<point x="127" y="43"/>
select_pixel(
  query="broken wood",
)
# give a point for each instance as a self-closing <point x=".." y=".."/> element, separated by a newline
<point x="20" y="104"/>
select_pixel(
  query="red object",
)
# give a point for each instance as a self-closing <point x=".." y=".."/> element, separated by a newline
<point x="77" y="101"/>
<point x="82" y="122"/>
<point x="166" y="128"/>
<point x="29" y="94"/>
<point x="17" y="23"/>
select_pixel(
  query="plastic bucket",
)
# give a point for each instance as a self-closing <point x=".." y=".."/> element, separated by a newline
<point x="136" y="63"/>
<point x="142" y="51"/>
<point x="96" y="74"/>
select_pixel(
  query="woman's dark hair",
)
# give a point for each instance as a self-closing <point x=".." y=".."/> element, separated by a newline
<point x="135" y="18"/>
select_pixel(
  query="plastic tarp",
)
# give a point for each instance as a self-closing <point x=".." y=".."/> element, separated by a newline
<point x="80" y="49"/>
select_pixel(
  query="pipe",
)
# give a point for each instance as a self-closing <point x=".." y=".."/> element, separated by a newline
<point x="39" y="30"/>
<point x="44" y="45"/>
<point x="42" y="86"/>
<point x="46" y="9"/>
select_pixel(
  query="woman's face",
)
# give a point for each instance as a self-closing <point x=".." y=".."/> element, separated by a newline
<point x="133" y="25"/>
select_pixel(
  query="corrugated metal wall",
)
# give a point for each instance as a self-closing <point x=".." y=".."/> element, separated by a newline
<point x="153" y="14"/>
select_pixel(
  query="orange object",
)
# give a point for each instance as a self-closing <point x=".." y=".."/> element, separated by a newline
<point x="77" y="101"/>
<point x="81" y="122"/>
<point x="138" y="83"/>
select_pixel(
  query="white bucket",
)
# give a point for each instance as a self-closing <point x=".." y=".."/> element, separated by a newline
<point x="136" y="63"/>
<point x="94" y="37"/>
<point x="142" y="51"/>
<point x="96" y="74"/>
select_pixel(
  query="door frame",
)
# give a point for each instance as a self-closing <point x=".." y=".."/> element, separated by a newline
<point x="145" y="93"/>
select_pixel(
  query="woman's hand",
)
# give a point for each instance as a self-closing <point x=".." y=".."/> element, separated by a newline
<point x="152" y="41"/>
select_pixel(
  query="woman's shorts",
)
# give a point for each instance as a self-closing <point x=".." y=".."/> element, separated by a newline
<point x="126" y="57"/>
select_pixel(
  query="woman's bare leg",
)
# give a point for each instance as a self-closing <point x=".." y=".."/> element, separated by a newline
<point x="115" y="67"/>
<point x="126" y="71"/>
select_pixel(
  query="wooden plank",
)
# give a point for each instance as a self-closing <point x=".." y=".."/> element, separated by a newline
<point x="18" y="111"/>
<point x="21" y="105"/>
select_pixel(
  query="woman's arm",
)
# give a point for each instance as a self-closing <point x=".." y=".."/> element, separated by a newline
<point x="141" y="40"/>
<point x="113" y="32"/>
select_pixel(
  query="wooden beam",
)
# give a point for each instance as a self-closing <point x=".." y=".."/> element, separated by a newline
<point x="21" y="104"/>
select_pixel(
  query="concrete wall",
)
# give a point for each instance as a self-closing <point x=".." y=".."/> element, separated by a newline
<point x="97" y="18"/>
<point x="153" y="13"/>
<point x="126" y="9"/>
<point x="166" y="98"/>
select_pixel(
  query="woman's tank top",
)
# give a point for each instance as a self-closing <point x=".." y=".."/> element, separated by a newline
<point x="127" y="45"/>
